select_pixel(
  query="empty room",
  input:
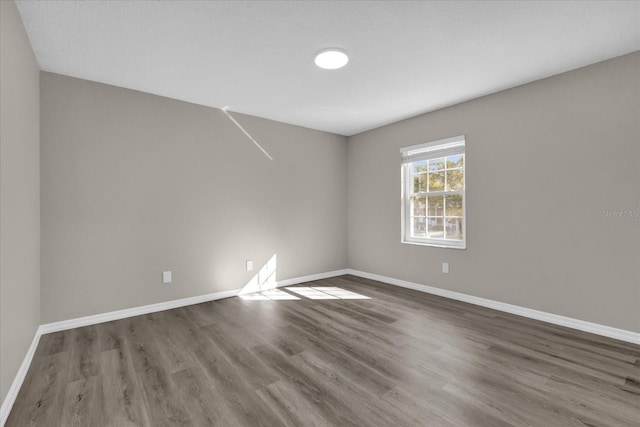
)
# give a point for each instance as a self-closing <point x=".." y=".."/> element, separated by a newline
<point x="319" y="213"/>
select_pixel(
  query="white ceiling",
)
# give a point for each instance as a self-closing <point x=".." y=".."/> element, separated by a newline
<point x="256" y="57"/>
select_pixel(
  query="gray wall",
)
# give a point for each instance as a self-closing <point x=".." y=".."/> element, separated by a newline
<point x="544" y="161"/>
<point x="134" y="184"/>
<point x="19" y="194"/>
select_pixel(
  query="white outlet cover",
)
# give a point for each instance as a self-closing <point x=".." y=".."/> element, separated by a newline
<point x="249" y="265"/>
<point x="166" y="277"/>
<point x="445" y="267"/>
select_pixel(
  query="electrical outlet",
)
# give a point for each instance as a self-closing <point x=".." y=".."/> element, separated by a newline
<point x="166" y="277"/>
<point x="445" y="267"/>
<point x="249" y="265"/>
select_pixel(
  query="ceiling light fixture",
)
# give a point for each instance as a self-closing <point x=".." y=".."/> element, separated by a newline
<point x="331" y="59"/>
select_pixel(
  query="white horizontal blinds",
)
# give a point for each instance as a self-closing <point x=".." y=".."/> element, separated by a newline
<point x="433" y="150"/>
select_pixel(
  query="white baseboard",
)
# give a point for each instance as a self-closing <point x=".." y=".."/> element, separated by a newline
<point x="134" y="311"/>
<point x="10" y="398"/>
<point x="581" y="325"/>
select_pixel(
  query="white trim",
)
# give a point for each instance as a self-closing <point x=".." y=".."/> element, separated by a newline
<point x="441" y="144"/>
<point x="10" y="398"/>
<point x="425" y="242"/>
<point x="581" y="325"/>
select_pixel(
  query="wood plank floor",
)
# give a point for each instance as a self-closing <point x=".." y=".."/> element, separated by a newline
<point x="400" y="358"/>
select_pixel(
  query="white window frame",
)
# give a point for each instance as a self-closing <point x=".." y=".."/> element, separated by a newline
<point x="420" y="152"/>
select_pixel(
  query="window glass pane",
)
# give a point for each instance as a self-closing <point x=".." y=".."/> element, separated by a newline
<point x="419" y="227"/>
<point x="455" y="161"/>
<point x="454" y="204"/>
<point x="419" y="166"/>
<point x="454" y="228"/>
<point x="419" y="183"/>
<point x="436" y="181"/>
<point x="436" y="227"/>
<point x="436" y="206"/>
<point x="423" y="182"/>
<point x="436" y="164"/>
<point x="455" y="180"/>
<point x="416" y="183"/>
<point x="419" y="206"/>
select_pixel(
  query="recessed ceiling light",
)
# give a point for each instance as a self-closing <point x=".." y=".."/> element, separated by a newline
<point x="331" y="59"/>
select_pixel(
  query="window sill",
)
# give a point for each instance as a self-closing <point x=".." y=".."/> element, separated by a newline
<point x="434" y="245"/>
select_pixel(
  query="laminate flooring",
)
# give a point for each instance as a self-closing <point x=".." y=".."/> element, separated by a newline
<point x="398" y="358"/>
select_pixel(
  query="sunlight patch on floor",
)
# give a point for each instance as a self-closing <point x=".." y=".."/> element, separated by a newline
<point x="325" y="292"/>
<point x="340" y="293"/>
<point x="311" y="293"/>
<point x="271" y="294"/>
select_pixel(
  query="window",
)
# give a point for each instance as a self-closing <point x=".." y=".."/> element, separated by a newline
<point x="433" y="193"/>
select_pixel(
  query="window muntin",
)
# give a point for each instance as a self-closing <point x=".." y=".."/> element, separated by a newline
<point x="434" y="193"/>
